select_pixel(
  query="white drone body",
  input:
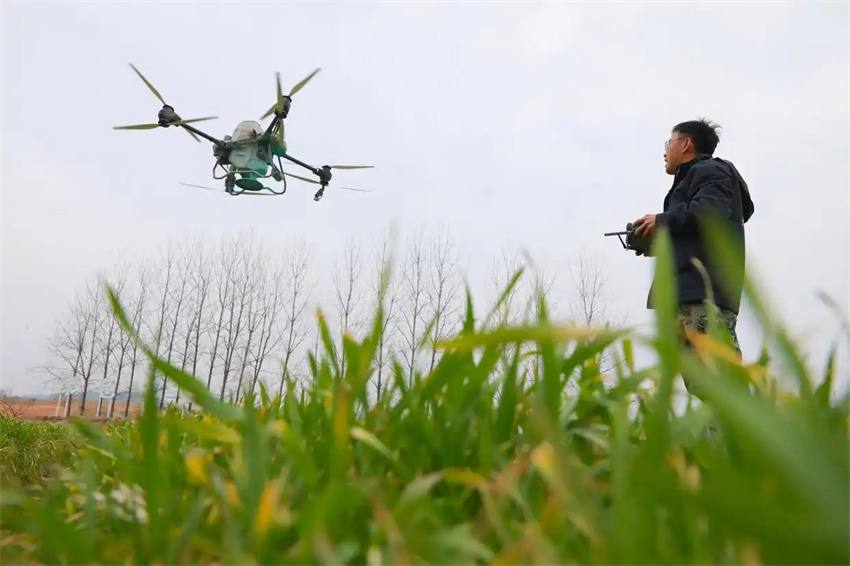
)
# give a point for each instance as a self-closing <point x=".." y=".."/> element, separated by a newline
<point x="244" y="154"/>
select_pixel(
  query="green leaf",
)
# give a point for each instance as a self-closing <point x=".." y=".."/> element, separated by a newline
<point x="787" y="445"/>
<point x="207" y="430"/>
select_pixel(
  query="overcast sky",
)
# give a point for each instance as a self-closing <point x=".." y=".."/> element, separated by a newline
<point x="537" y="124"/>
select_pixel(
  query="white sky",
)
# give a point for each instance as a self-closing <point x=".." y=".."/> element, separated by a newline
<point x="537" y="124"/>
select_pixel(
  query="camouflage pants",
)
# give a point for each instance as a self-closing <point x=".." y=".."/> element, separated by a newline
<point x="695" y="318"/>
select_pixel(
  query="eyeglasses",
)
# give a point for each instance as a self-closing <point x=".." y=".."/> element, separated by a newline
<point x="668" y="142"/>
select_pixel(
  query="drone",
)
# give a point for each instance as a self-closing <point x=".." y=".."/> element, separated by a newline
<point x="248" y="155"/>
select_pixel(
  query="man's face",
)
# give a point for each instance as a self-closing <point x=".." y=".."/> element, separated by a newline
<point x="676" y="151"/>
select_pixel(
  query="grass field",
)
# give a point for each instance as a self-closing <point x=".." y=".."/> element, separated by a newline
<point x="472" y="463"/>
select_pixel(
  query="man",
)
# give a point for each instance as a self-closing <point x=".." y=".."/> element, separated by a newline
<point x="702" y="184"/>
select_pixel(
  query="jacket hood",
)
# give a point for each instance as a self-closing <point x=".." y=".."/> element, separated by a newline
<point x="747" y="206"/>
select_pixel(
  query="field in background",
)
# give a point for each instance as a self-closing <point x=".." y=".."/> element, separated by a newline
<point x="44" y="409"/>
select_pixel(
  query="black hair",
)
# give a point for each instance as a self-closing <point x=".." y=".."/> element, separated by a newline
<point x="702" y="133"/>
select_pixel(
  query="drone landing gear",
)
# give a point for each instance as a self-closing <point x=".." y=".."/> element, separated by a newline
<point x="277" y="174"/>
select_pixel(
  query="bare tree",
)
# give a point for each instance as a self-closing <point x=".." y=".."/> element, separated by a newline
<point x="242" y="284"/>
<point x="139" y="307"/>
<point x="165" y="274"/>
<point x="202" y="282"/>
<point x="504" y="269"/>
<point x="414" y="286"/>
<point x="443" y="291"/>
<point x="542" y="286"/>
<point x="69" y="346"/>
<point x="114" y="334"/>
<point x="384" y="286"/>
<point x="297" y="294"/>
<point x="92" y="309"/>
<point x="225" y="283"/>
<point x="270" y="334"/>
<point x="590" y="306"/>
<point x="348" y="294"/>
<point x="256" y="290"/>
<point x="182" y="261"/>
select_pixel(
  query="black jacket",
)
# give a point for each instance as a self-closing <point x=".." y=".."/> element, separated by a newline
<point x="706" y="184"/>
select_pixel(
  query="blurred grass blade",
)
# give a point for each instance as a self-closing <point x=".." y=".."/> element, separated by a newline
<point x="208" y="430"/>
<point x="790" y="447"/>
<point x="509" y="443"/>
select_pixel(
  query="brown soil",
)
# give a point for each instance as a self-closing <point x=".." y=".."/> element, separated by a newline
<point x="41" y="410"/>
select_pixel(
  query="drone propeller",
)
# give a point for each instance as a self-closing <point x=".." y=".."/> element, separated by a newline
<point x="279" y="107"/>
<point x="152" y="126"/>
<point x="306" y="180"/>
<point x="200" y="187"/>
<point x="164" y="103"/>
<point x="150" y="86"/>
<point x="350" y="166"/>
<point x="279" y="104"/>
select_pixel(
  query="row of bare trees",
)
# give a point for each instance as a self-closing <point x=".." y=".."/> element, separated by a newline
<point x="237" y="312"/>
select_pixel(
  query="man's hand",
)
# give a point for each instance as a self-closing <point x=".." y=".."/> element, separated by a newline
<point x="645" y="225"/>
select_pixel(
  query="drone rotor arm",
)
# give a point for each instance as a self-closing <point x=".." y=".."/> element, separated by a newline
<point x="313" y="170"/>
<point x="196" y="132"/>
<point x="300" y="178"/>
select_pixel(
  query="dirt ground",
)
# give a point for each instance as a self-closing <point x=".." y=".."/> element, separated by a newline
<point x="42" y="410"/>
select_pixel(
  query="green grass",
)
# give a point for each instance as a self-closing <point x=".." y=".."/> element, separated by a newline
<point x="31" y="451"/>
<point x="472" y="463"/>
